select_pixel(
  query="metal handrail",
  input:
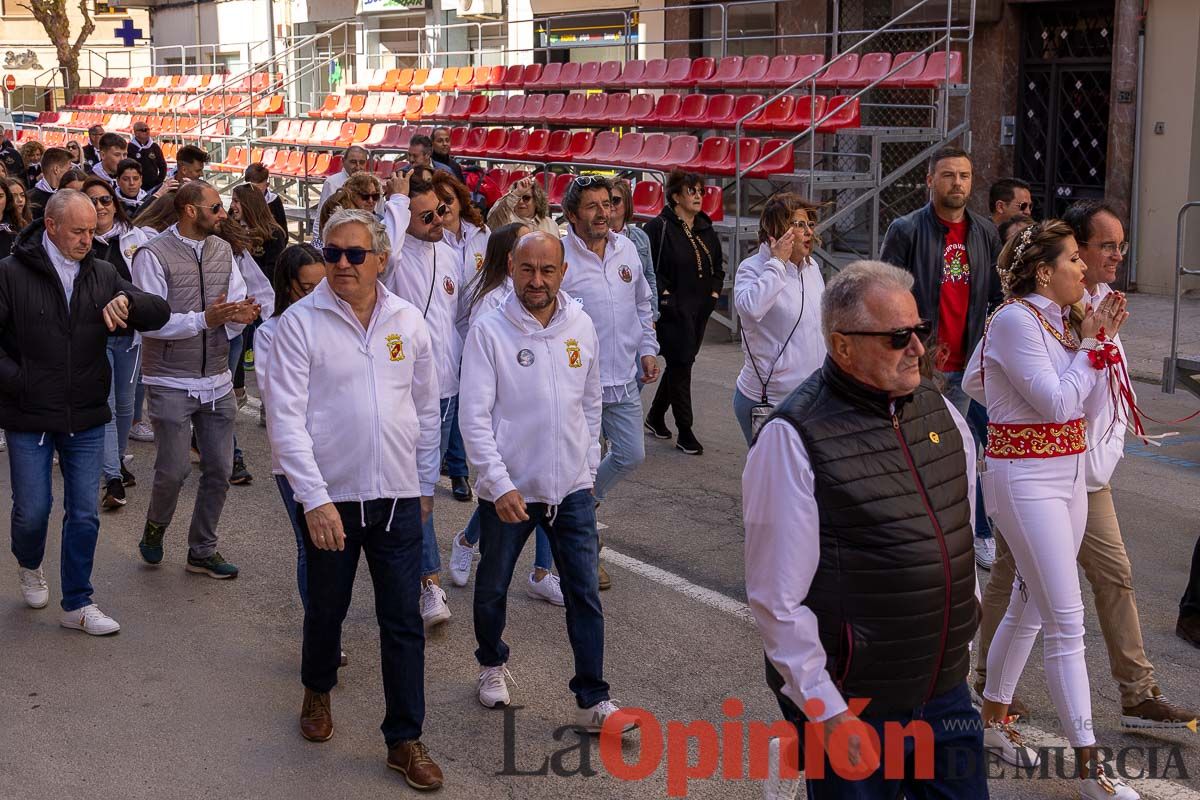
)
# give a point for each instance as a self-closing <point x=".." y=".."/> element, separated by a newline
<point x="1170" y="366"/>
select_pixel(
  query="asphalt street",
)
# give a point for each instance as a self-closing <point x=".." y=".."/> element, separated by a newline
<point x="199" y="694"/>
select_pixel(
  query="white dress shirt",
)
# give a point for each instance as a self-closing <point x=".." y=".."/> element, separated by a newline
<point x="1106" y="429"/>
<point x="67" y="269"/>
<point x="770" y="296"/>
<point x="783" y="550"/>
<point x="149" y="276"/>
<point x="331" y="185"/>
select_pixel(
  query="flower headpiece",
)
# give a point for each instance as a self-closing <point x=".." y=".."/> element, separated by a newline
<point x="1024" y="239"/>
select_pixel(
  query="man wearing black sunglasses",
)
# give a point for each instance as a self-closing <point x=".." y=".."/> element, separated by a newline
<point x="1007" y="198"/>
<point x="185" y="368"/>
<point x="424" y="271"/>
<point x="951" y="252"/>
<point x="857" y="504"/>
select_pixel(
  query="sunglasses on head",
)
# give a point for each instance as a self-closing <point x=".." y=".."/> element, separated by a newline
<point x="899" y="338"/>
<point x="354" y="255"/>
<point x="583" y="181"/>
<point x="102" y="200"/>
<point x="213" y="209"/>
<point x="427" y="216"/>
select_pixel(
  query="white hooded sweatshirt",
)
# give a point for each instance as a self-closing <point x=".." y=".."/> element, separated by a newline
<point x="530" y="409"/>
<point x="353" y="415"/>
<point x="614" y="293"/>
<point x="426" y="275"/>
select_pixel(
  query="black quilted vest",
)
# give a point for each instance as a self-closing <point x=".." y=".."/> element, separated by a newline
<point x="894" y="593"/>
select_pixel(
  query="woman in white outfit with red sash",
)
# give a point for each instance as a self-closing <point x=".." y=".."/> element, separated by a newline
<point x="1039" y="384"/>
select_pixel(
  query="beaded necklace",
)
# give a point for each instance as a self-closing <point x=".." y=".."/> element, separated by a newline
<point x="697" y="246"/>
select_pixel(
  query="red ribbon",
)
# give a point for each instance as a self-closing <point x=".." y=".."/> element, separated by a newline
<point x="1107" y="355"/>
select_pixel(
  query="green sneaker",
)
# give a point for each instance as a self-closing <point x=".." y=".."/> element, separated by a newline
<point x="151" y="545"/>
<point x="214" y="566"/>
<point x="248" y="360"/>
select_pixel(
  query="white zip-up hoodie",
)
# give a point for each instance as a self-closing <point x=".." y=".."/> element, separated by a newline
<point x="426" y="275"/>
<point x="492" y="300"/>
<point x="614" y="293"/>
<point x="470" y="249"/>
<point x="353" y="415"/>
<point x="530" y="409"/>
<point x="264" y="335"/>
<point x="770" y="296"/>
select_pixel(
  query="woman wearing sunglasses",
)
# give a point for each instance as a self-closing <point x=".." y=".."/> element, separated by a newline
<point x="462" y="226"/>
<point x="115" y="242"/>
<point x="1040" y="386"/>
<point x="777" y="295"/>
<point x="689" y="264"/>
<point x="525" y="202"/>
<point x="364" y="191"/>
<point x="76" y="152"/>
<point x="249" y="208"/>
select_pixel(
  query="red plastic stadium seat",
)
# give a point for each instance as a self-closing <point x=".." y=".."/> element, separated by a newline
<point x="552" y="109"/>
<point x="497" y="108"/>
<point x="743" y="104"/>
<point x="517" y="142"/>
<point x="514" y="77"/>
<point x="483" y="78"/>
<point x="547" y="79"/>
<point x="778" y="159"/>
<point x="458" y="136"/>
<point x="536" y="146"/>
<point x="701" y="69"/>
<point x="581" y="143"/>
<point x="616" y="110"/>
<point x="775" y="115"/>
<point x="679" y="72"/>
<point x="630" y="149"/>
<point x="589" y="75"/>
<point x="754" y="71"/>
<point x="530" y="74"/>
<point x="460" y="106"/>
<point x="805" y="66"/>
<point x="407" y="132"/>
<point x="729" y="69"/>
<point x="559" y="146"/>
<point x="654" y="151"/>
<point x="719" y="107"/>
<point x="477" y="105"/>
<point x="493" y="144"/>
<point x="573" y="109"/>
<point x="594" y="108"/>
<point x="516" y="109"/>
<point x="656" y="72"/>
<point x="558" y="188"/>
<point x="908" y="66"/>
<point x="609" y="74"/>
<point x="647" y="199"/>
<point x="604" y="148"/>
<point x="693" y="114"/>
<point x="641" y="108"/>
<point x="534" y="103"/>
<point x="474" y="143"/>
<point x="844" y="113"/>
<point x="871" y="68"/>
<point x="713" y="151"/>
<point x="632" y="74"/>
<point x="666" y="111"/>
<point x="807" y="109"/>
<point x="934" y="74"/>
<point x="780" y="70"/>
<point x="741" y="157"/>
<point x="569" y="78"/>
<point x="713" y="203"/>
<point x="840" y="70"/>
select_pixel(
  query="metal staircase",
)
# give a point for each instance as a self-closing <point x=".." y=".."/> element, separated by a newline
<point x="1181" y="370"/>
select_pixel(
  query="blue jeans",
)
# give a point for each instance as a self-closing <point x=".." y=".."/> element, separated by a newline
<point x="30" y="458"/>
<point x="976" y="417"/>
<point x="456" y="453"/>
<point x="572" y="530"/>
<point x="542" y="557"/>
<point x="959" y="763"/>
<point x="235" y="358"/>
<point x="122" y="360"/>
<point x="431" y="559"/>
<point x="391" y="540"/>
<point x="139" y="399"/>
<point x="294" y="513"/>
<point x="621" y="423"/>
<point x="741" y="410"/>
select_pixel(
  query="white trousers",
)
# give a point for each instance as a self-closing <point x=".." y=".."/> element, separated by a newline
<point x="1041" y="506"/>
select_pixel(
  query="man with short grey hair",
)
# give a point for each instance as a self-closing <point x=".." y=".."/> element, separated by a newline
<point x="856" y="492"/>
<point x="353" y="160"/>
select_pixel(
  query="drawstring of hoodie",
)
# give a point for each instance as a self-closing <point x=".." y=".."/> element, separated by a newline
<point x="388" y="528"/>
<point x="42" y="440"/>
<point x="551" y="514"/>
<point x="362" y="513"/>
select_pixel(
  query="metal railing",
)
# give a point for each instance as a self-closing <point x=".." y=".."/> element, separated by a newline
<point x="1171" y="363"/>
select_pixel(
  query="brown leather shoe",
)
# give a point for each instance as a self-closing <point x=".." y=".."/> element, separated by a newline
<point x="1015" y="709"/>
<point x="316" y="718"/>
<point x="1188" y="629"/>
<point x="1156" y="712"/>
<point x="605" y="581"/>
<point x="411" y="759"/>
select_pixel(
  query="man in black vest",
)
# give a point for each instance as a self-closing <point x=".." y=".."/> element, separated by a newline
<point x="149" y="156"/>
<point x="859" y="557"/>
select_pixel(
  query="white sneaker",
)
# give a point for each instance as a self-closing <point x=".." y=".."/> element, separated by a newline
<point x="1103" y="787"/>
<point x="89" y="619"/>
<point x="3" y="442"/>
<point x="592" y="719"/>
<point x="548" y="588"/>
<point x="776" y="787"/>
<point x="985" y="552"/>
<point x="33" y="587"/>
<point x="1003" y="739"/>
<point x="493" y="686"/>
<point x="433" y="605"/>
<point x="142" y="432"/>
<point x="461" y="556"/>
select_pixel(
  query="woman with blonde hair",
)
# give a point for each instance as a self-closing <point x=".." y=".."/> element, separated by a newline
<point x="524" y="202"/>
<point x="1040" y="386"/>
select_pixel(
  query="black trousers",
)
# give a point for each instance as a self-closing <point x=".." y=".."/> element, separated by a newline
<point x="674" y="393"/>
<point x="1189" y="606"/>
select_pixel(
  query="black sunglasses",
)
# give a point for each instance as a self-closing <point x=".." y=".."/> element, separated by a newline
<point x="372" y="196"/>
<point x="354" y="255"/>
<point x="440" y="211"/>
<point x="102" y="200"/>
<point x="215" y="208"/>
<point x="900" y="337"/>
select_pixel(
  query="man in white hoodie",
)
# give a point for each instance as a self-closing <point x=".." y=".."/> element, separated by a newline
<point x="606" y="277"/>
<point x="531" y="425"/>
<point x="424" y="270"/>
<point x="352" y="413"/>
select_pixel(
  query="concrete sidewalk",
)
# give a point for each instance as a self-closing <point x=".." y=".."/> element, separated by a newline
<point x="1147" y="334"/>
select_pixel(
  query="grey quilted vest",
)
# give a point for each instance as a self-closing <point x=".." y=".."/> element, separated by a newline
<point x="191" y="286"/>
